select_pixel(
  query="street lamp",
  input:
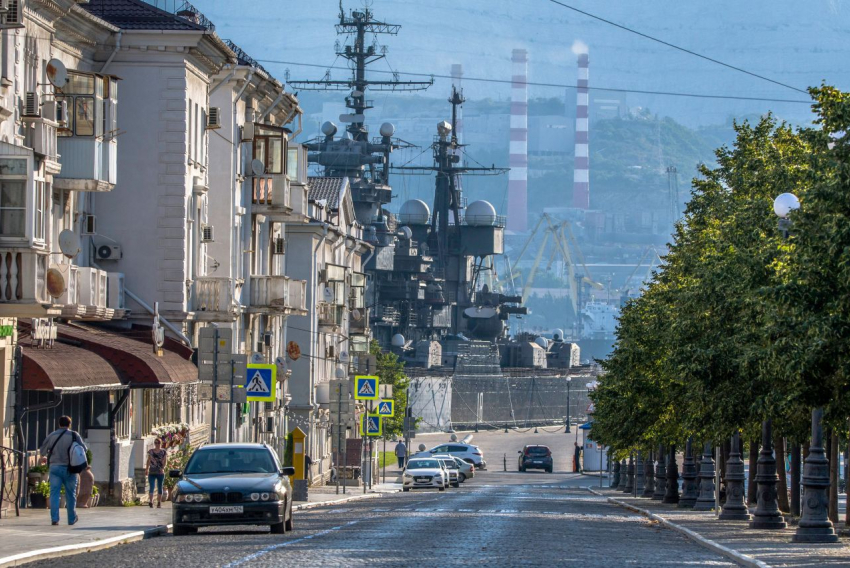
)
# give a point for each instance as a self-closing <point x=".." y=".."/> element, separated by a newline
<point x="569" y="384"/>
<point x="814" y="525"/>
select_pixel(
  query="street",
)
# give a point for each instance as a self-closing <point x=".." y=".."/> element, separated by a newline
<point x="497" y="519"/>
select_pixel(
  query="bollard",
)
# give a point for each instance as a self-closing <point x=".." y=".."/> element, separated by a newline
<point x="505" y="461"/>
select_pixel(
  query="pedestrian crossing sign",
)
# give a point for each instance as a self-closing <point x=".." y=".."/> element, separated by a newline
<point x="366" y="387"/>
<point x="261" y="383"/>
<point x="386" y="408"/>
<point x="371" y="425"/>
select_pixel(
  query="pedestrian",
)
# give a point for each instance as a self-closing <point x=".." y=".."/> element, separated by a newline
<point x="308" y="464"/>
<point x="155" y="470"/>
<point x="400" y="453"/>
<point x="577" y="458"/>
<point x="56" y="453"/>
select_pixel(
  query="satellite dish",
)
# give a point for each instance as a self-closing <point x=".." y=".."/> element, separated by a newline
<point x="329" y="294"/>
<point x="356" y="315"/>
<point x="343" y="357"/>
<point x="280" y="361"/>
<point x="55" y="283"/>
<point x="293" y="351"/>
<point x="57" y="74"/>
<point x="340" y="373"/>
<point x="257" y="358"/>
<point x="69" y="243"/>
<point x="258" y="167"/>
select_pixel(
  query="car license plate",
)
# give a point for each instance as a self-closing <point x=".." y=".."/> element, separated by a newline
<point x="422" y="479"/>
<point x="538" y="461"/>
<point x="226" y="510"/>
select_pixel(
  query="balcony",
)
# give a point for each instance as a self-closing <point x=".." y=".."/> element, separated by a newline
<point x="88" y="164"/>
<point x="271" y="197"/>
<point x="329" y="315"/>
<point x="41" y="135"/>
<point x="23" y="285"/>
<point x="278" y="295"/>
<point x="213" y="300"/>
<point x="359" y="321"/>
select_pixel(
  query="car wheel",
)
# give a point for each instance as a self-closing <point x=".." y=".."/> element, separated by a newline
<point x="278" y="528"/>
<point x="180" y="530"/>
<point x="462" y="477"/>
<point x="522" y="469"/>
<point x="290" y="522"/>
<point x="549" y="470"/>
<point x="406" y="489"/>
<point x="441" y="488"/>
<point x="456" y="484"/>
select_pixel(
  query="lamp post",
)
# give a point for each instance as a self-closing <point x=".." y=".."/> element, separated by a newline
<point x="814" y="525"/>
<point x="690" y="474"/>
<point x="649" y="477"/>
<point x="615" y="478"/>
<point x="767" y="515"/>
<point x="569" y="384"/>
<point x="735" y="508"/>
<point x="630" y="475"/>
<point x="672" y="494"/>
<point x="660" y="475"/>
<point x="705" y="501"/>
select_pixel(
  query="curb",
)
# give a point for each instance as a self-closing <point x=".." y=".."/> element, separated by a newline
<point x="72" y="549"/>
<point x="135" y="536"/>
<point x="734" y="555"/>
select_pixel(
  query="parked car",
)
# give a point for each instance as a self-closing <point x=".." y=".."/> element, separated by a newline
<point x="424" y="473"/>
<point x="232" y="484"/>
<point x="452" y="469"/>
<point x="466" y="452"/>
<point x="467" y="470"/>
<point x="535" y="457"/>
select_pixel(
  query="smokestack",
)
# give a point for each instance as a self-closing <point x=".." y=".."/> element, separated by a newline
<point x="457" y="77"/>
<point x="581" y="171"/>
<point x="517" y="178"/>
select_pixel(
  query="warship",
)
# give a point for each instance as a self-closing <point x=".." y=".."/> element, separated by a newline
<point x="429" y="291"/>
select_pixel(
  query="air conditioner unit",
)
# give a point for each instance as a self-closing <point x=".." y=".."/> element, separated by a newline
<point x="248" y="131"/>
<point x="32" y="104"/>
<point x="13" y="16"/>
<point x="279" y="246"/>
<point x="214" y="118"/>
<point x="88" y="225"/>
<point x="207" y="234"/>
<point x="72" y="283"/>
<point x="109" y="252"/>
<point x="92" y="291"/>
<point x="115" y="291"/>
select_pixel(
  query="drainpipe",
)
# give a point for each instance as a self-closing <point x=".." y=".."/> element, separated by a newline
<point x="225" y="80"/>
<point x="248" y="226"/>
<point x="164" y="321"/>
<point x="113" y="440"/>
<point x="118" y="35"/>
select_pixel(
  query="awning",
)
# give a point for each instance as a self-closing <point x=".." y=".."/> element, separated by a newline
<point x="86" y="356"/>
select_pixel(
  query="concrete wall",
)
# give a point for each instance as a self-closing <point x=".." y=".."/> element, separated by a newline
<point x="431" y="400"/>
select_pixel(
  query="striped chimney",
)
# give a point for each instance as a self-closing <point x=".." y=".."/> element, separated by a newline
<point x="457" y="77"/>
<point x="517" y="178"/>
<point x="581" y="171"/>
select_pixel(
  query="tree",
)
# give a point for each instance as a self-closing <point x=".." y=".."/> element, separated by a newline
<point x="391" y="372"/>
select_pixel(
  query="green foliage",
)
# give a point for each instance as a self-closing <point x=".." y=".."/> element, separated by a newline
<point x="42" y="488"/>
<point x="288" y="451"/>
<point x="175" y="460"/>
<point x="391" y="372"/>
<point x="740" y="325"/>
<point x="38" y="469"/>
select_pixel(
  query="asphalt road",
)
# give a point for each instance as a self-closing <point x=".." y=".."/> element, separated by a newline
<point x="497" y="519"/>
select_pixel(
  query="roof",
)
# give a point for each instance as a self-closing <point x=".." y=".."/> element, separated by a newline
<point x="138" y="15"/>
<point x="327" y="189"/>
<point x="89" y="358"/>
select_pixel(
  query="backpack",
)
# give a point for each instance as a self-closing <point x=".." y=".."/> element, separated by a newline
<point x="77" y="459"/>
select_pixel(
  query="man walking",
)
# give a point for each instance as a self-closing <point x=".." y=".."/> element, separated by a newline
<point x="577" y="458"/>
<point x="400" y="453"/>
<point x="56" y="452"/>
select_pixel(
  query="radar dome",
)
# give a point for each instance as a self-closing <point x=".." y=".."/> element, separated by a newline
<point x="398" y="340"/>
<point x="387" y="129"/>
<point x="542" y="342"/>
<point x="481" y="214"/>
<point x="329" y="128"/>
<point x="558" y="334"/>
<point x="414" y="212"/>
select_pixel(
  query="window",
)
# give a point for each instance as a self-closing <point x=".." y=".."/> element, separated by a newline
<point x="191" y="131"/>
<point x="195" y="134"/>
<point x="13" y="197"/>
<point x="82" y="110"/>
<point x="84" y="116"/>
<point x="292" y="164"/>
<point x="42" y="206"/>
<point x="269" y="147"/>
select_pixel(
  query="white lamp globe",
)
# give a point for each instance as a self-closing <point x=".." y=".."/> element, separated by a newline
<point x="784" y="204"/>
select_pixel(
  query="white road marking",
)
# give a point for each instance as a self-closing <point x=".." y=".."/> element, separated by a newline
<point x="268" y="549"/>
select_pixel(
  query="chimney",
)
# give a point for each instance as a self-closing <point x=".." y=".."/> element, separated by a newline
<point x="581" y="172"/>
<point x="517" y="178"/>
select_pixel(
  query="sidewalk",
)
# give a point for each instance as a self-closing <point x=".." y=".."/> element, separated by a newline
<point x="752" y="547"/>
<point x="31" y="537"/>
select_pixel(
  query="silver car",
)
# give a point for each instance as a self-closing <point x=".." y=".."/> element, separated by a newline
<point x="465" y="470"/>
<point x="451" y="468"/>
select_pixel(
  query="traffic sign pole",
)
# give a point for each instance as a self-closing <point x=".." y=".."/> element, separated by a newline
<point x="215" y="387"/>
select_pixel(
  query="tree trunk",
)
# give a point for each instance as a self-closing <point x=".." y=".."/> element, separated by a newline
<point x="833" y="476"/>
<point x="782" y="487"/>
<point x="752" y="488"/>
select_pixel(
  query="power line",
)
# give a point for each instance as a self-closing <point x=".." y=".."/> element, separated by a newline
<point x="682" y="49"/>
<point x="556" y="85"/>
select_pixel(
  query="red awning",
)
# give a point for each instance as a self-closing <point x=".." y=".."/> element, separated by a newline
<point x="86" y="356"/>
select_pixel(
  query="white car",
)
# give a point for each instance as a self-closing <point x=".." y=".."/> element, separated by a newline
<point x="466" y="452"/>
<point x="451" y="468"/>
<point x="467" y="470"/>
<point x="424" y="473"/>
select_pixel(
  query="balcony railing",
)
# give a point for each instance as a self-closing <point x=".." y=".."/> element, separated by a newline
<point x="41" y="136"/>
<point x="278" y="294"/>
<point x="271" y="191"/>
<point x="329" y="314"/>
<point x="212" y="298"/>
<point x="23" y="284"/>
<point x="88" y="164"/>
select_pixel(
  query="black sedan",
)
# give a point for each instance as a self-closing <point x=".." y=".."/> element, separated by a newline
<point x="535" y="457"/>
<point x="232" y="484"/>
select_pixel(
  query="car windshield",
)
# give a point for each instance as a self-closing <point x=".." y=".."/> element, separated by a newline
<point x="231" y="460"/>
<point x="450" y="464"/>
<point x="538" y="451"/>
<point x="423" y="464"/>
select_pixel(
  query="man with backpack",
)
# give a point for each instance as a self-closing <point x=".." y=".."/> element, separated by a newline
<point x="65" y="453"/>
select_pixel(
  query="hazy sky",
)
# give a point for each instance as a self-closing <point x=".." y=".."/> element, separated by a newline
<point x="799" y="43"/>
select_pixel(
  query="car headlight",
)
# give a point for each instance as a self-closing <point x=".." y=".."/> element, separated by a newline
<point x="192" y="498"/>
<point x="408" y="476"/>
<point x="264" y="497"/>
<point x="255" y="496"/>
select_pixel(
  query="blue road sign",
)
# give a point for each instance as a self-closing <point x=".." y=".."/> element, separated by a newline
<point x="366" y="387"/>
<point x="371" y="425"/>
<point x="261" y="383"/>
<point x="386" y="408"/>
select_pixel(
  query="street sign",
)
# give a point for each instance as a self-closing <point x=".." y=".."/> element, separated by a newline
<point x="367" y="363"/>
<point x="261" y="383"/>
<point x="371" y="425"/>
<point x="366" y="387"/>
<point x="386" y="391"/>
<point x="386" y="408"/>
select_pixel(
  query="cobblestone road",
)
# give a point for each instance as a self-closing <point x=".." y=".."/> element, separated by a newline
<point x="497" y="519"/>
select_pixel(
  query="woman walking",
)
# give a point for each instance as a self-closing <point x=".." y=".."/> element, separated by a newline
<point x="155" y="470"/>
